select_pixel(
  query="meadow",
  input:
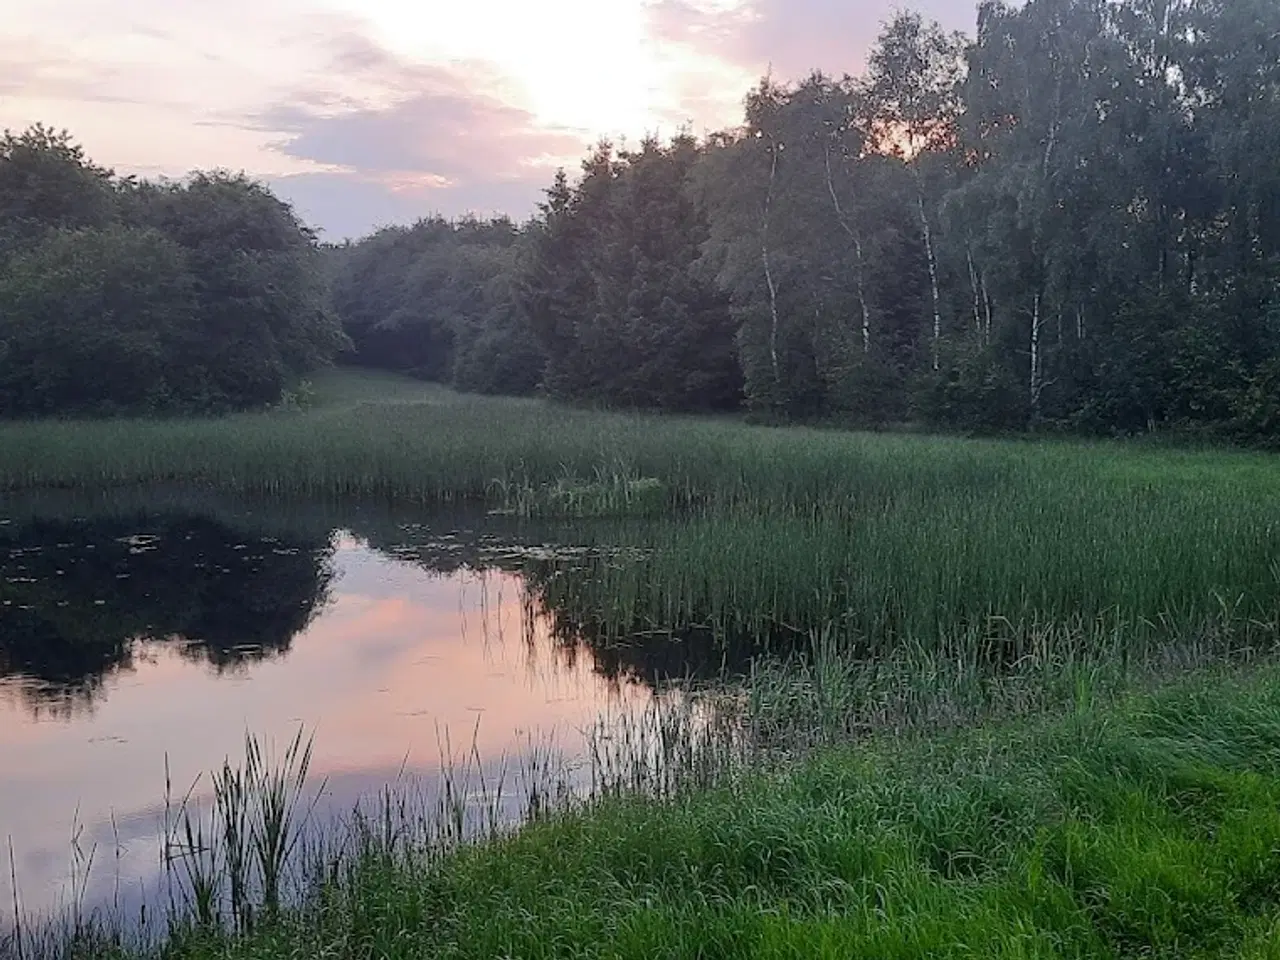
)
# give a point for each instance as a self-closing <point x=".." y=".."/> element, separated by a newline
<point x="759" y="531"/>
<point x="1013" y="698"/>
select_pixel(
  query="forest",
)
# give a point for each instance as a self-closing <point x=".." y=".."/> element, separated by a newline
<point x="120" y="295"/>
<point x="1070" y="221"/>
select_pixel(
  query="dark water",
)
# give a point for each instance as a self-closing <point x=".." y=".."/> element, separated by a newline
<point x="167" y="627"/>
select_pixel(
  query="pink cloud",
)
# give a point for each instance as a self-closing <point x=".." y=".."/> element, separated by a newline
<point x="792" y="37"/>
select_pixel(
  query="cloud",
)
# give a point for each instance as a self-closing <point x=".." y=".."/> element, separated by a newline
<point x="709" y="27"/>
<point x="28" y="66"/>
<point x="409" y="139"/>
<point x="791" y="38"/>
<point x="445" y="131"/>
<point x="344" y="205"/>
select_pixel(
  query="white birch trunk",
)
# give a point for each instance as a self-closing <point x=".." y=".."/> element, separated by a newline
<point x="1036" y="384"/>
<point x="768" y="266"/>
<point x="986" y="305"/>
<point x="856" y="237"/>
<point x="973" y="284"/>
<point x="927" y="230"/>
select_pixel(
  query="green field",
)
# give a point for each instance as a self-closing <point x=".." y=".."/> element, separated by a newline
<point x="1072" y="643"/>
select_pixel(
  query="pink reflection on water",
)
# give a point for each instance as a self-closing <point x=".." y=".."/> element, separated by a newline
<point x="398" y="660"/>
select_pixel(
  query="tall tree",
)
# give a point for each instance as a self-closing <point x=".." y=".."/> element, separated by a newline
<point x="91" y="321"/>
<point x="124" y="295"/>
<point x="47" y="183"/>
<point x="913" y="83"/>
<point x="614" y="291"/>
<point x="265" y="310"/>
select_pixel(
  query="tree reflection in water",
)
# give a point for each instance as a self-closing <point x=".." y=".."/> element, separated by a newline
<point x="81" y="599"/>
<point x="231" y="583"/>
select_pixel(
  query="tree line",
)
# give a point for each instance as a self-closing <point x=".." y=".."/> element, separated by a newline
<point x="124" y="295"/>
<point x="1070" y="220"/>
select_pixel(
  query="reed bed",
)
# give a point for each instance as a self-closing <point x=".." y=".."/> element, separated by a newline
<point x="752" y="530"/>
<point x="445" y="447"/>
<point x="995" y="569"/>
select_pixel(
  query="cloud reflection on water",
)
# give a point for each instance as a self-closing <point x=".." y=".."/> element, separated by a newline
<point x="395" y="659"/>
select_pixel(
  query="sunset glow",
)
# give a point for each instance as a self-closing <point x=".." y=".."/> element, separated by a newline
<point x="386" y="110"/>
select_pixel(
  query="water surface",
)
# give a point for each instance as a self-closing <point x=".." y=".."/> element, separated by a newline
<point x="153" y="635"/>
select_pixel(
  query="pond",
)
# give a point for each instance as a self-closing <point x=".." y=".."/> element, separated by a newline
<point x="142" y="638"/>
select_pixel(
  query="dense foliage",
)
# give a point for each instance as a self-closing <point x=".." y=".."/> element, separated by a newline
<point x="1072" y="219"/>
<point x="615" y="292"/>
<point x="116" y="295"/>
<point x="438" y="300"/>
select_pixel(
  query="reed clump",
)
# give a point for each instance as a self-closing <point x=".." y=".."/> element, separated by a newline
<point x="613" y="490"/>
<point x="225" y="860"/>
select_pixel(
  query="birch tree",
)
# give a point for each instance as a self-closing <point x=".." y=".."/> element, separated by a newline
<point x="913" y="82"/>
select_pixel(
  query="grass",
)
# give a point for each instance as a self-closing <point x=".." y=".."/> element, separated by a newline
<point x="1148" y="827"/>
<point x="956" y="766"/>
<point x="770" y="531"/>
<point x="1147" y="830"/>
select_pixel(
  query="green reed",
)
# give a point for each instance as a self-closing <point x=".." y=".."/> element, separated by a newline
<point x="919" y="565"/>
<point x="225" y="861"/>
<point x="752" y="531"/>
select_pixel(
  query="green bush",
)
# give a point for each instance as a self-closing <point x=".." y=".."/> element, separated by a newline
<point x="92" y="321"/>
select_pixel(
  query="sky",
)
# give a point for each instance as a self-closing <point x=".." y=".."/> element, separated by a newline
<point x="365" y="113"/>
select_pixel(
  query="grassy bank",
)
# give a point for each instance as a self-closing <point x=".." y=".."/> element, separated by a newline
<point x="379" y="435"/>
<point x="1149" y="827"/>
